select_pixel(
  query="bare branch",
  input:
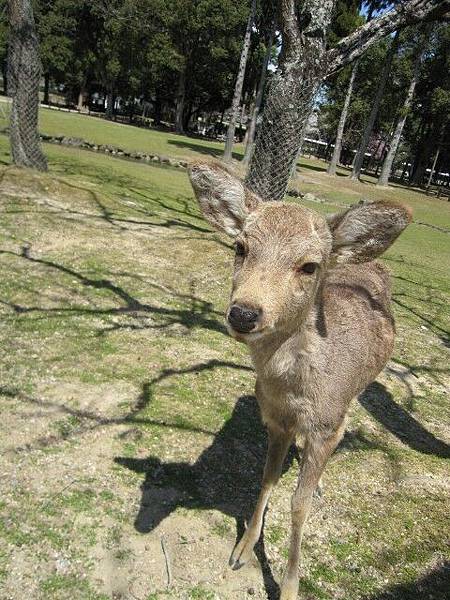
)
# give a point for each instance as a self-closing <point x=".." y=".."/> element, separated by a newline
<point x="407" y="13"/>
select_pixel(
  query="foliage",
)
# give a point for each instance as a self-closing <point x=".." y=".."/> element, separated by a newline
<point x="159" y="57"/>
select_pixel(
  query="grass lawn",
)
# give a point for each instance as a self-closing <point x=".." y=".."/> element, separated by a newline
<point x="101" y="131"/>
<point x="130" y="435"/>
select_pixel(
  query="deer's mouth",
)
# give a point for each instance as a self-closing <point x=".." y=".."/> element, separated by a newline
<point x="246" y="336"/>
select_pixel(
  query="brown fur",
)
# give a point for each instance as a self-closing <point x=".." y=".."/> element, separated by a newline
<point x="320" y="338"/>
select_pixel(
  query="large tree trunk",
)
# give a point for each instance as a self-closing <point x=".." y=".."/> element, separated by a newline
<point x="258" y="101"/>
<point x="383" y="179"/>
<point x="359" y="158"/>
<point x="180" y="102"/>
<point x="303" y="65"/>
<point x="239" y="85"/>
<point x="24" y="74"/>
<point x="343" y="118"/>
<point x="291" y="94"/>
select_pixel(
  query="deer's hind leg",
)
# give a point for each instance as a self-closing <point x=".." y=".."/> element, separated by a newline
<point x="317" y="451"/>
<point x="279" y="442"/>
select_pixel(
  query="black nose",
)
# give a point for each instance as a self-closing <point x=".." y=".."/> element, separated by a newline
<point x="242" y="318"/>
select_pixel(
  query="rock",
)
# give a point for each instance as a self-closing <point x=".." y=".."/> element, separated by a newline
<point x="62" y="565"/>
<point x="310" y="197"/>
<point x="71" y="141"/>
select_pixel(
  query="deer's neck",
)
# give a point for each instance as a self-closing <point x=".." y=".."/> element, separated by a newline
<point x="280" y="354"/>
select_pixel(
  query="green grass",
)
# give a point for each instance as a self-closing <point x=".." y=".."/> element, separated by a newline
<point x="100" y="131"/>
<point x="120" y="392"/>
<point x="200" y="593"/>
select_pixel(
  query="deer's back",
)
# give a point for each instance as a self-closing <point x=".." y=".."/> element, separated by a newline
<point x="355" y="323"/>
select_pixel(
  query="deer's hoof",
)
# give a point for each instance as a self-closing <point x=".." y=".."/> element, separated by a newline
<point x="242" y="553"/>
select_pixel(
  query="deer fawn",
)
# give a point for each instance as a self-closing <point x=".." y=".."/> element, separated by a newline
<point x="313" y="308"/>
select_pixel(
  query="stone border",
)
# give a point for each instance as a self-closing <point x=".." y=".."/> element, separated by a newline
<point x="111" y="150"/>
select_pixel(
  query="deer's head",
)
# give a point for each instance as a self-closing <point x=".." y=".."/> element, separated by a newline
<point x="284" y="250"/>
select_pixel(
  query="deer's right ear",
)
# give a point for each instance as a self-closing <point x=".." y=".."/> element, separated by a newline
<point x="224" y="201"/>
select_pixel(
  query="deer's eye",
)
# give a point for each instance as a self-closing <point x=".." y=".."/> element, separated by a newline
<point x="240" y="248"/>
<point x="308" y="268"/>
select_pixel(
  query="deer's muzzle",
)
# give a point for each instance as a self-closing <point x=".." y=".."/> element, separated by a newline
<point x="243" y="318"/>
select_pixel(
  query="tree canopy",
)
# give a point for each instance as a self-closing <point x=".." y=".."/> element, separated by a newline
<point x="177" y="61"/>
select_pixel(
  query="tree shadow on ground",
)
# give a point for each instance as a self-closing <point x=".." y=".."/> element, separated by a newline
<point x="378" y="401"/>
<point x="227" y="474"/>
<point x="90" y="420"/>
<point x="303" y="166"/>
<point x="225" y="477"/>
<point x="201" y="149"/>
<point x="197" y="312"/>
<point x="435" y="585"/>
<point x="153" y="213"/>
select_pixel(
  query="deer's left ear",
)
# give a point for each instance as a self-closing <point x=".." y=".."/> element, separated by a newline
<point x="224" y="200"/>
<point x="366" y="230"/>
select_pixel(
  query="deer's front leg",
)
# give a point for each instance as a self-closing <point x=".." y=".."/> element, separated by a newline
<point x="279" y="443"/>
<point x="316" y="453"/>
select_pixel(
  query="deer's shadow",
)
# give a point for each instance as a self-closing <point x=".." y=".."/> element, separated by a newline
<point x="227" y="474"/>
<point x="226" y="477"/>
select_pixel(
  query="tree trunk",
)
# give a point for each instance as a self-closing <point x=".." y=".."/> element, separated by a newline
<point x="157" y="110"/>
<point x="81" y="97"/>
<point x="24" y="74"/>
<point x="258" y="101"/>
<point x="132" y="108"/>
<point x="239" y="84"/>
<point x="187" y="115"/>
<point x="419" y="168"/>
<point x="109" y="103"/>
<point x="180" y="100"/>
<point x="359" y="158"/>
<point x="291" y="95"/>
<point x="303" y="65"/>
<point x="433" y="167"/>
<point x="340" y="130"/>
<point x="383" y="180"/>
<point x="425" y="147"/>
<point x="46" y="99"/>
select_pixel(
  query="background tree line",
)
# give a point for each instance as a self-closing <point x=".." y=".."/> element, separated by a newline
<point x="173" y="62"/>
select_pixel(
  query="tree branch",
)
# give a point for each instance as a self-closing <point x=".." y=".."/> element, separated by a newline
<point x="408" y="12"/>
